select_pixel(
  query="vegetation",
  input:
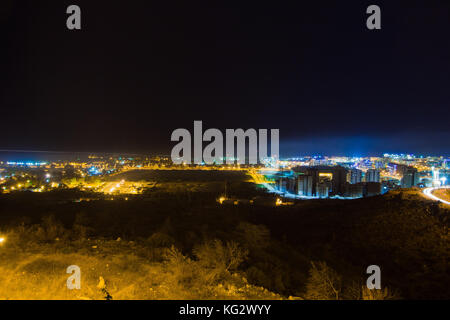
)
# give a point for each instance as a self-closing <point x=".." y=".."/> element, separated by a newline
<point x="184" y="245"/>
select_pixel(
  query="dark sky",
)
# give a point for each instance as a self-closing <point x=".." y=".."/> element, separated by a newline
<point x="140" y="69"/>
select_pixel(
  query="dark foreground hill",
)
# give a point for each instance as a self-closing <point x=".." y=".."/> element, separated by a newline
<point x="187" y="246"/>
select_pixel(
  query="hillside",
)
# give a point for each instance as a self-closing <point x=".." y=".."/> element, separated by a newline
<point x="187" y="246"/>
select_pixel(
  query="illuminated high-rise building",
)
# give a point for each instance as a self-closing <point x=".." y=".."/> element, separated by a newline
<point x="410" y="178"/>
<point x="355" y="176"/>
<point x="372" y="175"/>
<point x="436" y="180"/>
<point x="323" y="189"/>
<point x="305" y="185"/>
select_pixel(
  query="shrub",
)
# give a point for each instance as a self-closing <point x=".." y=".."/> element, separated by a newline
<point x="323" y="283"/>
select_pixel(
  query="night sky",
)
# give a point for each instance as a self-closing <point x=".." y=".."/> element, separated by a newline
<point x="140" y="69"/>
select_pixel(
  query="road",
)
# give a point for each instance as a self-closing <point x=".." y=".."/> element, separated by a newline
<point x="429" y="193"/>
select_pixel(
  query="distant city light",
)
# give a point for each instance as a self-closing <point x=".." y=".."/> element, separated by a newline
<point x="94" y="171"/>
<point x="28" y="164"/>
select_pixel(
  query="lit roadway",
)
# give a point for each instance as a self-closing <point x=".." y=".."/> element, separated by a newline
<point x="429" y="193"/>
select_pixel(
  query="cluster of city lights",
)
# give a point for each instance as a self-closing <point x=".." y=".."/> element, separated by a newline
<point x="27" y="164"/>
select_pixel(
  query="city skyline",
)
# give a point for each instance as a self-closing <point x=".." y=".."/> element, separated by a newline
<point x="301" y="178"/>
<point x="38" y="155"/>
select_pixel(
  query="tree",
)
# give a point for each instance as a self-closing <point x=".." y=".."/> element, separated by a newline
<point x="217" y="259"/>
<point x="323" y="283"/>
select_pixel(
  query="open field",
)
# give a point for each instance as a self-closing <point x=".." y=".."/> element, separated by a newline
<point x="442" y="194"/>
<point x="163" y="182"/>
<point x="181" y="175"/>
